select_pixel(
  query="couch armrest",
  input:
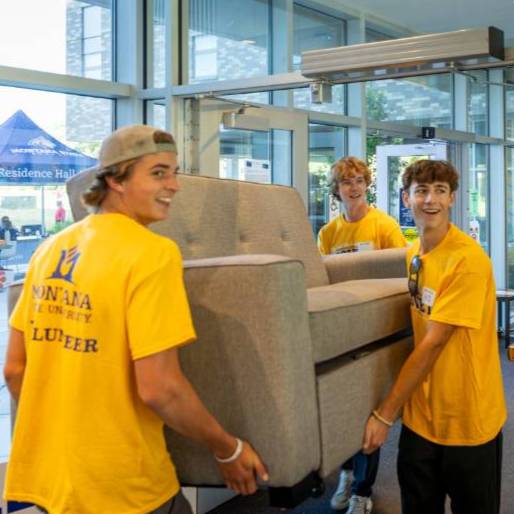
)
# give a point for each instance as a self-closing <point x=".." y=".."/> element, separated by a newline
<point x="252" y="364"/>
<point x="388" y="263"/>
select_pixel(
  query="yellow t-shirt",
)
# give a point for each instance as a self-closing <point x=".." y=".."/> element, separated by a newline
<point x="461" y="402"/>
<point x="376" y="231"/>
<point x="98" y="295"/>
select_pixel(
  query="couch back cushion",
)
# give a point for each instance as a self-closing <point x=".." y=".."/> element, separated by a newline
<point x="212" y="217"/>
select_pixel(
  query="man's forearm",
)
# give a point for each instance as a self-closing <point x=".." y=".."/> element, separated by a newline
<point x="415" y="369"/>
<point x="183" y="411"/>
<point x="14" y="384"/>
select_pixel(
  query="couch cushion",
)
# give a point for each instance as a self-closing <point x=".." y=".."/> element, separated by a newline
<point x="348" y="315"/>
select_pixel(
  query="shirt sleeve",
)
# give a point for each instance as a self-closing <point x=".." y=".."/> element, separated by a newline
<point x="323" y="242"/>
<point x="396" y="239"/>
<point x="393" y="236"/>
<point x="158" y="315"/>
<point x="461" y="300"/>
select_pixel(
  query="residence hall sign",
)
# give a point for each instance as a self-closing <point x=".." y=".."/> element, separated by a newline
<point x="40" y="161"/>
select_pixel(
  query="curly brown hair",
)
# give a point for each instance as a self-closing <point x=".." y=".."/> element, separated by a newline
<point x="427" y="171"/>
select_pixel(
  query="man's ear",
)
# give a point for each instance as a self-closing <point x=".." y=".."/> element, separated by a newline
<point x="452" y="198"/>
<point x="405" y="198"/>
<point x="114" y="184"/>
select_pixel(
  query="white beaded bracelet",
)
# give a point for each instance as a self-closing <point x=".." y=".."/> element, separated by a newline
<point x="238" y="451"/>
<point x="382" y="419"/>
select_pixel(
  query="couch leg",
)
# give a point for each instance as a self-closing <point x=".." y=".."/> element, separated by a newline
<point x="289" y="497"/>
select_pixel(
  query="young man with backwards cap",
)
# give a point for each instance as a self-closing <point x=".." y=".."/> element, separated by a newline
<point x="93" y="352"/>
<point x="450" y="387"/>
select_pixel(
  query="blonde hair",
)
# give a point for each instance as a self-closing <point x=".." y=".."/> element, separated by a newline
<point x="347" y="167"/>
<point x="93" y="197"/>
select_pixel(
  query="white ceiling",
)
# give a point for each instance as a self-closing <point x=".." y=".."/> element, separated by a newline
<point x="443" y="15"/>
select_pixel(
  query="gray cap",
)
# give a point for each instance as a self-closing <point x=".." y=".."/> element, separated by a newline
<point x="133" y="142"/>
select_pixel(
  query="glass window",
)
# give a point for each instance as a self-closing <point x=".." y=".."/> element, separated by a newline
<point x="156" y="113"/>
<point x="96" y="33"/>
<point x="92" y="21"/>
<point x="256" y="156"/>
<point x="423" y="101"/>
<point x="92" y="45"/>
<point x="326" y="145"/>
<point x="477" y="102"/>
<point x="205" y="52"/>
<point x="61" y="124"/>
<point x="313" y="30"/>
<point x="252" y="98"/>
<point x="228" y="40"/>
<point x="93" y="66"/>
<point x="56" y="119"/>
<point x="158" y="44"/>
<point x="374" y="35"/>
<point x="65" y="33"/>
<point x="509" y="105"/>
<point x="509" y="160"/>
<point x="478" y="200"/>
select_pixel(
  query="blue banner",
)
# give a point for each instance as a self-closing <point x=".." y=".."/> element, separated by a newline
<point x="405" y="215"/>
<point x="29" y="155"/>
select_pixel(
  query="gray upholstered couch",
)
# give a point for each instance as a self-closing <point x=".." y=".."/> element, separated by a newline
<point x="293" y="351"/>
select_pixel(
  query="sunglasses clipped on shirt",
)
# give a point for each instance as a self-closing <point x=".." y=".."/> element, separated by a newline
<point x="414" y="269"/>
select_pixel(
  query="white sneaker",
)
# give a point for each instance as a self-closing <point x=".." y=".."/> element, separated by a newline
<point x="341" y="498"/>
<point x="360" y="505"/>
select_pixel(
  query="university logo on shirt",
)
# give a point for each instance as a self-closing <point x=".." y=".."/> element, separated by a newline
<point x="66" y="265"/>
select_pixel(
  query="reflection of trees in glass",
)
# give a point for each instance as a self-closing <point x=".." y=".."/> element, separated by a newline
<point x="478" y="191"/>
<point x="375" y="104"/>
<point x="375" y="108"/>
<point x="421" y="100"/>
<point x="319" y="176"/>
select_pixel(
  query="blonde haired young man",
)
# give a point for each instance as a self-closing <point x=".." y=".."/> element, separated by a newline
<point x="360" y="228"/>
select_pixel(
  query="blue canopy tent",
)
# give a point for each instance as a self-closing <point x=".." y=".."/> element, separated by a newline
<point x="31" y="156"/>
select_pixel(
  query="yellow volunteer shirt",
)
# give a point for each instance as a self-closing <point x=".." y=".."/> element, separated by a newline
<point x="461" y="402"/>
<point x="100" y="294"/>
<point x="376" y="231"/>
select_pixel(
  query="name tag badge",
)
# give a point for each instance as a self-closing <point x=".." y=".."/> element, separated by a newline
<point x="428" y="297"/>
<point x="365" y="247"/>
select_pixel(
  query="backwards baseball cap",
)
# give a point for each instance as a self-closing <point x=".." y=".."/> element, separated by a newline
<point x="133" y="142"/>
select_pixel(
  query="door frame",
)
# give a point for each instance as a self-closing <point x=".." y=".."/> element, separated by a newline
<point x="437" y="150"/>
<point x="210" y="113"/>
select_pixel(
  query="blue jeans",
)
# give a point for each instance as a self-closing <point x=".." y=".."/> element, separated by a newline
<point x="365" y="469"/>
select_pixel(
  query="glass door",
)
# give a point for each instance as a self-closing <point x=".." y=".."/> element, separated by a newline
<point x="256" y="156"/>
<point x="258" y="144"/>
